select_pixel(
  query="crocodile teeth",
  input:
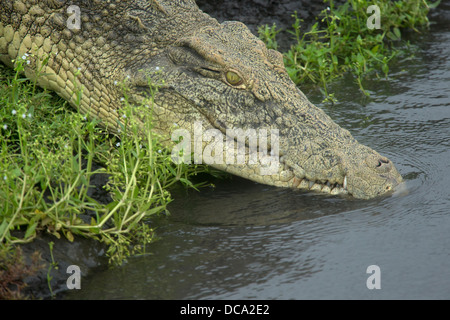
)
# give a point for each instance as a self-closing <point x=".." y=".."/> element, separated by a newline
<point x="286" y="175"/>
<point x="317" y="187"/>
<point x="338" y="190"/>
<point x="304" y="184"/>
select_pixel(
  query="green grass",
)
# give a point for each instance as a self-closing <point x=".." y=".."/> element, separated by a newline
<point x="341" y="42"/>
<point x="48" y="154"/>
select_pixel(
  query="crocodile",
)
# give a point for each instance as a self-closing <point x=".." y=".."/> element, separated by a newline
<point x="216" y="74"/>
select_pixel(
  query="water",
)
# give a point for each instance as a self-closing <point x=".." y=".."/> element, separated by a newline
<point x="248" y="241"/>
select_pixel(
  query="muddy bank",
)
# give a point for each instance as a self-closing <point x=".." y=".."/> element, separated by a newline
<point x="87" y="254"/>
<point x="255" y="13"/>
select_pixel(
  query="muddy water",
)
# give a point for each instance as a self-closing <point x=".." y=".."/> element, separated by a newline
<point x="242" y="240"/>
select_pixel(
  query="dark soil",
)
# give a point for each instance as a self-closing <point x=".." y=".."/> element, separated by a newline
<point x="255" y="13"/>
<point x="88" y="254"/>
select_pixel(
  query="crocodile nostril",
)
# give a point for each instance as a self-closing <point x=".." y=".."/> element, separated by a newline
<point x="381" y="162"/>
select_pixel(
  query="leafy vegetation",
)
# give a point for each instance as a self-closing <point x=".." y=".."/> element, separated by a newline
<point x="343" y="41"/>
<point x="49" y="155"/>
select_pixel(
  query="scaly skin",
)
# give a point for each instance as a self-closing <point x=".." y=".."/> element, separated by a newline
<point x="218" y="74"/>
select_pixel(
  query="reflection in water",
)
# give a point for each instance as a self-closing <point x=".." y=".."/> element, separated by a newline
<point x="241" y="202"/>
<point x="244" y="240"/>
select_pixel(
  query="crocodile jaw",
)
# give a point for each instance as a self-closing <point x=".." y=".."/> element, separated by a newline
<point x="350" y="184"/>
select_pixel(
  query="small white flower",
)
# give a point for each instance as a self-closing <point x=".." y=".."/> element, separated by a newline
<point x="5" y="126"/>
<point x="5" y="177"/>
<point x="122" y="99"/>
<point x="29" y="115"/>
<point x="13" y="111"/>
<point x="159" y="151"/>
<point x="24" y="116"/>
<point x="128" y="76"/>
<point x="119" y="130"/>
<point x="124" y="116"/>
<point x="85" y="118"/>
<point x="115" y="82"/>
<point x="147" y="106"/>
<point x="28" y="61"/>
<point x="66" y="146"/>
<point x="24" y="57"/>
<point x="157" y="68"/>
<point x="118" y="144"/>
<point x="79" y="68"/>
<point x="328" y="8"/>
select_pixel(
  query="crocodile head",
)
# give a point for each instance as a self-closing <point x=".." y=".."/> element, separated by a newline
<point x="217" y="75"/>
<point x="225" y="78"/>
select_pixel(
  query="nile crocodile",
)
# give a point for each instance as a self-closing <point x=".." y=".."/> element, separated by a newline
<point x="220" y="75"/>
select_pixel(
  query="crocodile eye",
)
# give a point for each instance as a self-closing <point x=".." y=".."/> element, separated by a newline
<point x="233" y="78"/>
